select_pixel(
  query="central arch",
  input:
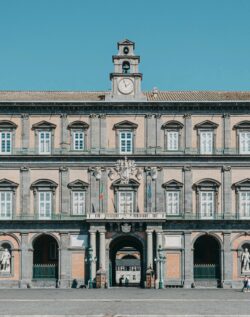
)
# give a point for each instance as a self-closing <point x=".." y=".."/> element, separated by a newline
<point x="126" y="261"/>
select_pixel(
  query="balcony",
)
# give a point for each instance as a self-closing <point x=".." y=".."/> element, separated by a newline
<point x="127" y="216"/>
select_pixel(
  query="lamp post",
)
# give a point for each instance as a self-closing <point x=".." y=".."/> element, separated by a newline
<point x="161" y="259"/>
<point x="90" y="259"/>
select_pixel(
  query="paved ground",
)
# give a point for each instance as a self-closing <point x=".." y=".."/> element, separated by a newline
<point x="124" y="302"/>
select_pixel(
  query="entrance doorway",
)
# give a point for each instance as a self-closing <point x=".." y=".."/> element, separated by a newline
<point x="207" y="260"/>
<point x="126" y="262"/>
<point x="45" y="258"/>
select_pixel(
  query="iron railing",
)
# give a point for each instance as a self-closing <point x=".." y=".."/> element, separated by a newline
<point x="206" y="271"/>
<point x="45" y="271"/>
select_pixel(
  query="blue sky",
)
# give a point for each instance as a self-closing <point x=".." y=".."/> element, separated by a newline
<point x="68" y="44"/>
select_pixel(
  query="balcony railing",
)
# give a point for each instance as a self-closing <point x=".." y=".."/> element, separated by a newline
<point x="146" y="215"/>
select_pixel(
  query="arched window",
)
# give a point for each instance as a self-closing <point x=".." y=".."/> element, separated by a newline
<point x="125" y="67"/>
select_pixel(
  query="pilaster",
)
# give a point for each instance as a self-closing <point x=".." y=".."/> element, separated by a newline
<point x="188" y="133"/>
<point x="25" y="131"/>
<point x="103" y="133"/>
<point x="188" y="181"/>
<point x="149" y="248"/>
<point x="227" y="192"/>
<point x="188" y="261"/>
<point x="64" y="191"/>
<point x="94" y="134"/>
<point x="228" y="261"/>
<point x="92" y="233"/>
<point x="102" y="250"/>
<point x="64" y="132"/>
<point x="26" y="262"/>
<point x="25" y="191"/>
<point x="159" y="133"/>
<point x="150" y="122"/>
<point x="65" y="267"/>
<point x="227" y="133"/>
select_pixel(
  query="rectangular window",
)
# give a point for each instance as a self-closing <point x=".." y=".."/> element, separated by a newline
<point x="172" y="140"/>
<point x="5" y="205"/>
<point x="5" y="139"/>
<point x="206" y="205"/>
<point x="78" y="141"/>
<point x="244" y="142"/>
<point x="126" y="139"/>
<point x="126" y="202"/>
<point x="45" y="205"/>
<point x="173" y="203"/>
<point x="78" y="203"/>
<point x="44" y="142"/>
<point x="244" y="205"/>
<point x="206" y="142"/>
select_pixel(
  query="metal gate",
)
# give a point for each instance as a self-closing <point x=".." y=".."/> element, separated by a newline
<point x="206" y="272"/>
<point x="45" y="271"/>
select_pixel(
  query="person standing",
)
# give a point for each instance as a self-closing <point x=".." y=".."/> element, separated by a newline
<point x="245" y="283"/>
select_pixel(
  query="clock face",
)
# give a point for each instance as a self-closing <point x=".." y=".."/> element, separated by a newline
<point x="126" y="86"/>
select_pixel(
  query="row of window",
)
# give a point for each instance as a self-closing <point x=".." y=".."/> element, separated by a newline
<point x="126" y="204"/>
<point x="126" y="134"/>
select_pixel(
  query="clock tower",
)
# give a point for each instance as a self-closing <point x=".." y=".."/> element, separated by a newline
<point x="126" y="79"/>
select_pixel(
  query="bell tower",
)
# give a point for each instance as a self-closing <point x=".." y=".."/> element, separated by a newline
<point x="126" y="79"/>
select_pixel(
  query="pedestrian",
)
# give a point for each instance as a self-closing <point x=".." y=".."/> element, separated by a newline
<point x="248" y="284"/>
<point x="245" y="283"/>
<point x="126" y="281"/>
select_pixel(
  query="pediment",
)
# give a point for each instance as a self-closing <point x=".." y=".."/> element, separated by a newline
<point x="172" y="184"/>
<point x="44" y="183"/>
<point x="4" y="183"/>
<point x="244" y="183"/>
<point x="172" y="124"/>
<point x="207" y="183"/>
<point x="6" y="124"/>
<point x="43" y="125"/>
<point x="78" y="184"/>
<point x="125" y="125"/>
<point x="78" y="125"/>
<point x="242" y="125"/>
<point x="207" y="124"/>
<point x="126" y="42"/>
<point x="132" y="183"/>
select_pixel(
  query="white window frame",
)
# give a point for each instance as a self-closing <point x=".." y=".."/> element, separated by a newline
<point x="5" y="140"/>
<point x="78" y="205"/>
<point x="6" y="205"/>
<point x="207" y="204"/>
<point x="126" y="140"/>
<point x="122" y="205"/>
<point x="173" y="204"/>
<point x="43" y="212"/>
<point x="244" y="142"/>
<point x="205" y="147"/>
<point x="78" y="140"/>
<point x="244" y="204"/>
<point x="172" y="140"/>
<point x="44" y="148"/>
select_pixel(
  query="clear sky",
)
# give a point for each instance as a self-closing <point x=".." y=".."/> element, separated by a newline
<point x="68" y="44"/>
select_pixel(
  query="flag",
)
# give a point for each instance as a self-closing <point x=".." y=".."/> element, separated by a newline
<point x="101" y="196"/>
<point x="149" y="191"/>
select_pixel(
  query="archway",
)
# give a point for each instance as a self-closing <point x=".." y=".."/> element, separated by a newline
<point x="207" y="259"/>
<point x="126" y="256"/>
<point x="45" y="258"/>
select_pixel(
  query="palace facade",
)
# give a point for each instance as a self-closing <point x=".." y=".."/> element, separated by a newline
<point x="91" y="179"/>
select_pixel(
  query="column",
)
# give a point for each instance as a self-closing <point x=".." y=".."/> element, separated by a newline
<point x="26" y="262"/>
<point x="25" y="191"/>
<point x="64" y="191"/>
<point x="227" y="192"/>
<point x="65" y="268"/>
<point x="158" y="244"/>
<point x="149" y="248"/>
<point x="228" y="261"/>
<point x="188" y="261"/>
<point x="227" y="133"/>
<point x="103" y="133"/>
<point x="93" y="246"/>
<point x="102" y="251"/>
<point x="188" y="193"/>
<point x="64" y="132"/>
<point x="188" y="133"/>
<point x="25" y="131"/>
<point x="94" y="133"/>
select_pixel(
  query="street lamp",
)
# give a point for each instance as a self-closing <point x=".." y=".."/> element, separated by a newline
<point x="161" y="260"/>
<point x="90" y="259"/>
